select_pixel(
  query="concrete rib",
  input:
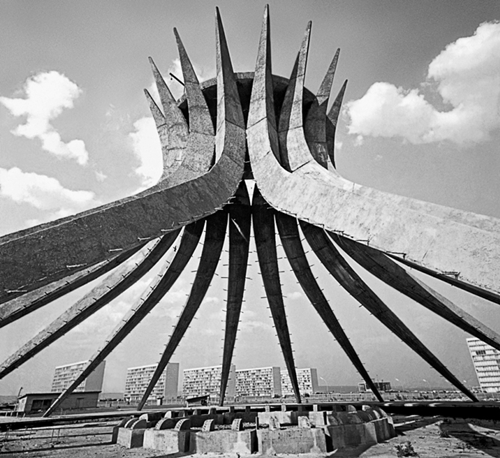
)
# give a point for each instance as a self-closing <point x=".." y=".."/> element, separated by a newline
<point x="290" y="239"/>
<point x="331" y="124"/>
<point x="150" y="298"/>
<point x="433" y="236"/>
<point x="316" y="120"/>
<point x="239" y="237"/>
<point x="212" y="247"/>
<point x="390" y="272"/>
<point x="263" y="227"/>
<point x="24" y="304"/>
<point x="354" y="285"/>
<point x="101" y="295"/>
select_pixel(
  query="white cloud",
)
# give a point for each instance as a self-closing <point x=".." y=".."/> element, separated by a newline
<point x="466" y="75"/>
<point x="294" y="295"/>
<point x="46" y="95"/>
<point x="44" y="193"/>
<point x="147" y="148"/>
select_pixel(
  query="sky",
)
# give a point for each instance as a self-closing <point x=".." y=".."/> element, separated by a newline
<point x="421" y="118"/>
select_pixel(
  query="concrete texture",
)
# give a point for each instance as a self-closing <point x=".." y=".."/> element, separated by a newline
<point x="291" y="441"/>
<point x="241" y="442"/>
<point x="130" y="438"/>
<point x="168" y="440"/>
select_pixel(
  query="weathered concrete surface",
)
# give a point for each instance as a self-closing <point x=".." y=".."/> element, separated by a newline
<point x="433" y="236"/>
<point x="291" y="441"/>
<point x="167" y="440"/>
<point x="130" y="438"/>
<point x="225" y="441"/>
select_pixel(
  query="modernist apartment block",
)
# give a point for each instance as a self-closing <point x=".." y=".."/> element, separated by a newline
<point x="202" y="381"/>
<point x="260" y="382"/>
<point x="65" y="375"/>
<point x="486" y="361"/>
<point x="307" y="379"/>
<point x="138" y="379"/>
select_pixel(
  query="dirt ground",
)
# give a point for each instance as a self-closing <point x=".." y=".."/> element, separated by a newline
<point x="417" y="437"/>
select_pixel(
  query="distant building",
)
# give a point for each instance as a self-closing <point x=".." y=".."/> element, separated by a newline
<point x="65" y="375"/>
<point x="486" y="364"/>
<point x="207" y="381"/>
<point x="40" y="402"/>
<point x="307" y="379"/>
<point x="259" y="382"/>
<point x="381" y="385"/>
<point x="138" y="379"/>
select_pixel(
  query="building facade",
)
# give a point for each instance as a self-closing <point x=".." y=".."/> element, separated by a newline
<point x="259" y="382"/>
<point x="138" y="379"/>
<point x="381" y="385"/>
<point x="307" y="379"/>
<point x="67" y="374"/>
<point x="202" y="381"/>
<point x="486" y="361"/>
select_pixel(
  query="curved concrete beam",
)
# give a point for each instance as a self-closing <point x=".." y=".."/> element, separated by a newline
<point x="331" y="127"/>
<point x="212" y="247"/>
<point x="24" y="304"/>
<point x="239" y="239"/>
<point x="398" y="278"/>
<point x="433" y="236"/>
<point x="150" y="298"/>
<point x="265" y="242"/>
<point x="99" y="296"/>
<point x="315" y="127"/>
<point x="290" y="239"/>
<point x="34" y="258"/>
<point x="357" y="288"/>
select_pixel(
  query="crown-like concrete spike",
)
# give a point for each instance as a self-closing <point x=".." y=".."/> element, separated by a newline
<point x="324" y="90"/>
<point x="290" y="126"/>
<point x="331" y="127"/>
<point x="155" y="110"/>
<point x="333" y="114"/>
<point x="199" y="115"/>
<point x="228" y="100"/>
<point x="173" y="114"/>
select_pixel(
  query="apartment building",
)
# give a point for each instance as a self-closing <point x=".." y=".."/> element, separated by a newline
<point x="259" y="382"/>
<point x="486" y="361"/>
<point x="67" y="374"/>
<point x="307" y="379"/>
<point x="202" y="381"/>
<point x="139" y="377"/>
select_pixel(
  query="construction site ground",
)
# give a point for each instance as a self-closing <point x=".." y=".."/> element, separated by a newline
<point x="416" y="436"/>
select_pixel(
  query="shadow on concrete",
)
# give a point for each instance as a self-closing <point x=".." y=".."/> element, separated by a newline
<point x="54" y="448"/>
<point x="472" y="439"/>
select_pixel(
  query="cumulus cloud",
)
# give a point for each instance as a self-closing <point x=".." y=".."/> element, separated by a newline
<point x="147" y="149"/>
<point x="466" y="75"/>
<point x="46" y="96"/>
<point x="44" y="193"/>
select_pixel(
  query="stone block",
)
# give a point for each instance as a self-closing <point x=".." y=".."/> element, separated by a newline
<point x="291" y="441"/>
<point x="284" y="418"/>
<point x="130" y="438"/>
<point x="318" y="418"/>
<point x="167" y="440"/>
<point x="226" y="441"/>
<point x="165" y="423"/>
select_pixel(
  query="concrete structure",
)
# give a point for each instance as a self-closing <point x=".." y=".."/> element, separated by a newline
<point x="65" y="375"/>
<point x="138" y="378"/>
<point x="40" y="402"/>
<point x="486" y="361"/>
<point x="381" y="385"/>
<point x="202" y="381"/>
<point x="277" y="132"/>
<point x="307" y="379"/>
<point x="259" y="382"/>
